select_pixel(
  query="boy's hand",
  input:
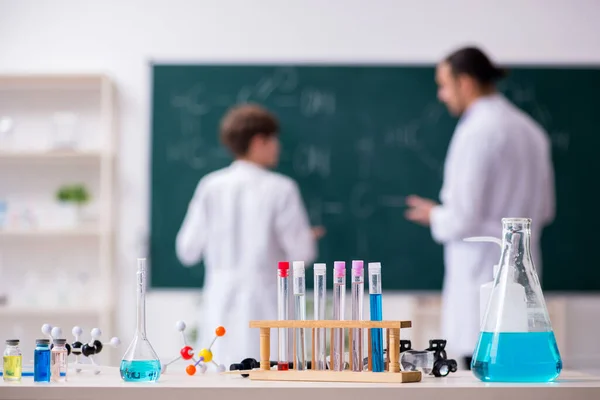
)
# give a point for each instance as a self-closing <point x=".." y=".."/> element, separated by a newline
<point x="318" y="232"/>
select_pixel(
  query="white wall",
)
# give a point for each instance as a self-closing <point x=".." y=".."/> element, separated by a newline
<point x="121" y="37"/>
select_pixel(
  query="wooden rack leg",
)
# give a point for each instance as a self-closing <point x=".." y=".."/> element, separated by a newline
<point x="314" y="358"/>
<point x="387" y="343"/>
<point x="331" y="349"/>
<point x="370" y="350"/>
<point x="350" y="346"/>
<point x="394" y="348"/>
<point x="294" y="350"/>
<point x="265" y="348"/>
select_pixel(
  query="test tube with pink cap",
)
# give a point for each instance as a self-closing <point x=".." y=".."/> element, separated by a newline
<point x="339" y="297"/>
<point x="358" y="288"/>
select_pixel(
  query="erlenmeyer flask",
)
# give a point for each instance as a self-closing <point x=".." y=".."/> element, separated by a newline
<point x="516" y="343"/>
<point x="140" y="362"/>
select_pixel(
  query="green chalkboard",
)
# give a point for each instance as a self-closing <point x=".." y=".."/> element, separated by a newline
<point x="358" y="139"/>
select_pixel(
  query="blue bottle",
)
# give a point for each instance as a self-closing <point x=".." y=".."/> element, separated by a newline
<point x="41" y="361"/>
<point x="516" y="343"/>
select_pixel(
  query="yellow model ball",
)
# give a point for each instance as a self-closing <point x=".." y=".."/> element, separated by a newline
<point x="206" y="355"/>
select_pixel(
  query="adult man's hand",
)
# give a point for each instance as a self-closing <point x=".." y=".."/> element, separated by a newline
<point x="419" y="210"/>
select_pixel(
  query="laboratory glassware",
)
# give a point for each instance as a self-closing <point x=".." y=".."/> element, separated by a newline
<point x="140" y="362"/>
<point x="358" y="285"/>
<point x="283" y="278"/>
<point x="300" y="311"/>
<point x="339" y="293"/>
<point x="516" y="342"/>
<point x="13" y="361"/>
<point x="376" y="315"/>
<point x="319" y="311"/>
<point x="58" y="361"/>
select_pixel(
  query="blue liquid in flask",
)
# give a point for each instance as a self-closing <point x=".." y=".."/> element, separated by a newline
<point x="140" y="370"/>
<point x="517" y="357"/>
<point x="376" y="333"/>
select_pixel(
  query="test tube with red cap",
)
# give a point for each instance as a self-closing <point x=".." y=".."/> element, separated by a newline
<point x="283" y="269"/>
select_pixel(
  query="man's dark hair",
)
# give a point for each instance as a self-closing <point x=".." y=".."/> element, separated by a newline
<point x="473" y="62"/>
<point x="242" y="123"/>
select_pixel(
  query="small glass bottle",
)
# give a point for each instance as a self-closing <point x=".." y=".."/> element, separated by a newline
<point x="58" y="361"/>
<point x="140" y="362"/>
<point x="41" y="361"/>
<point x="13" y="361"/>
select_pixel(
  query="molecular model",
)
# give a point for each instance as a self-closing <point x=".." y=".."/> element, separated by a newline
<point x="204" y="355"/>
<point x="77" y="348"/>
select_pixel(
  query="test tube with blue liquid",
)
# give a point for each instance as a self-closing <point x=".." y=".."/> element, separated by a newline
<point x="339" y="301"/>
<point x="376" y="315"/>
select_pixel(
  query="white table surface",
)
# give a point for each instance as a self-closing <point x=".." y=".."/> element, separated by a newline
<point x="211" y="386"/>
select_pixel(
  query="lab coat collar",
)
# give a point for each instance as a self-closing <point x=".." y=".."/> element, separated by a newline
<point x="478" y="103"/>
<point x="247" y="164"/>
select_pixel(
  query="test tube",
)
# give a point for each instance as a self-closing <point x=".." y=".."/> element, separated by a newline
<point x="339" y="292"/>
<point x="300" y="310"/>
<point x="358" y="287"/>
<point x="375" y="310"/>
<point x="319" y="304"/>
<point x="282" y="312"/>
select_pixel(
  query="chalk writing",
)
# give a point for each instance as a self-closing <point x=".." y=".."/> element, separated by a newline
<point x="315" y="101"/>
<point x="310" y="159"/>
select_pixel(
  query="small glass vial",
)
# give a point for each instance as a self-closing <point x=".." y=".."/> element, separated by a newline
<point x="13" y="361"/>
<point x="41" y="361"/>
<point x="58" y="361"/>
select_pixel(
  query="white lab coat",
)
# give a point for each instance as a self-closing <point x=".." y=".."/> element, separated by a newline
<point x="243" y="220"/>
<point x="498" y="165"/>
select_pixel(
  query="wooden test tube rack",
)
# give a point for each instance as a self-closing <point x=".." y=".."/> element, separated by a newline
<point x="392" y="373"/>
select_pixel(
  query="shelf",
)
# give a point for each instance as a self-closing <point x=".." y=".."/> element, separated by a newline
<point x="8" y="233"/>
<point x="55" y="311"/>
<point x="52" y="81"/>
<point x="52" y="156"/>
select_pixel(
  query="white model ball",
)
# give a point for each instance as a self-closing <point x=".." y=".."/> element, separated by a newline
<point x="221" y="368"/>
<point x="202" y="368"/>
<point x="163" y="368"/>
<point x="96" y="333"/>
<point x="180" y="325"/>
<point x="77" y="331"/>
<point x="46" y="329"/>
<point x="115" y="342"/>
<point x="56" y="332"/>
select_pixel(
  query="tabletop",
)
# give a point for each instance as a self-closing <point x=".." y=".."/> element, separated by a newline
<point x="460" y="385"/>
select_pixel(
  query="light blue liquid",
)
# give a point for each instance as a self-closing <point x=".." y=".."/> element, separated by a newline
<point x="140" y="370"/>
<point x="517" y="357"/>
<point x="41" y="364"/>
<point x="376" y="334"/>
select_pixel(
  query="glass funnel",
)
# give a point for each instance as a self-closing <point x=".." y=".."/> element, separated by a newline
<point x="516" y="343"/>
<point x="140" y="362"/>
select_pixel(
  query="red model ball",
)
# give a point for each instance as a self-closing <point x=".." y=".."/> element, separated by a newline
<point x="186" y="352"/>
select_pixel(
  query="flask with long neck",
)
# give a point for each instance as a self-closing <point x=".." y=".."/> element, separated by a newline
<point x="140" y="362"/>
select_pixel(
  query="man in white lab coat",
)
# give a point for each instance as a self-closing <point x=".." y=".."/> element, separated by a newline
<point x="243" y="220"/>
<point x="498" y="165"/>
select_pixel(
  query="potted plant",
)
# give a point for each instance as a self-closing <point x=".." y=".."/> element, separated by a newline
<point x="71" y="198"/>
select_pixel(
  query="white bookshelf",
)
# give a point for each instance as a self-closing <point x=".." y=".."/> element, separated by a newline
<point x="72" y="264"/>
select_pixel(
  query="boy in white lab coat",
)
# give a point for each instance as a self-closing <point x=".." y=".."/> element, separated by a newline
<point x="243" y="220"/>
